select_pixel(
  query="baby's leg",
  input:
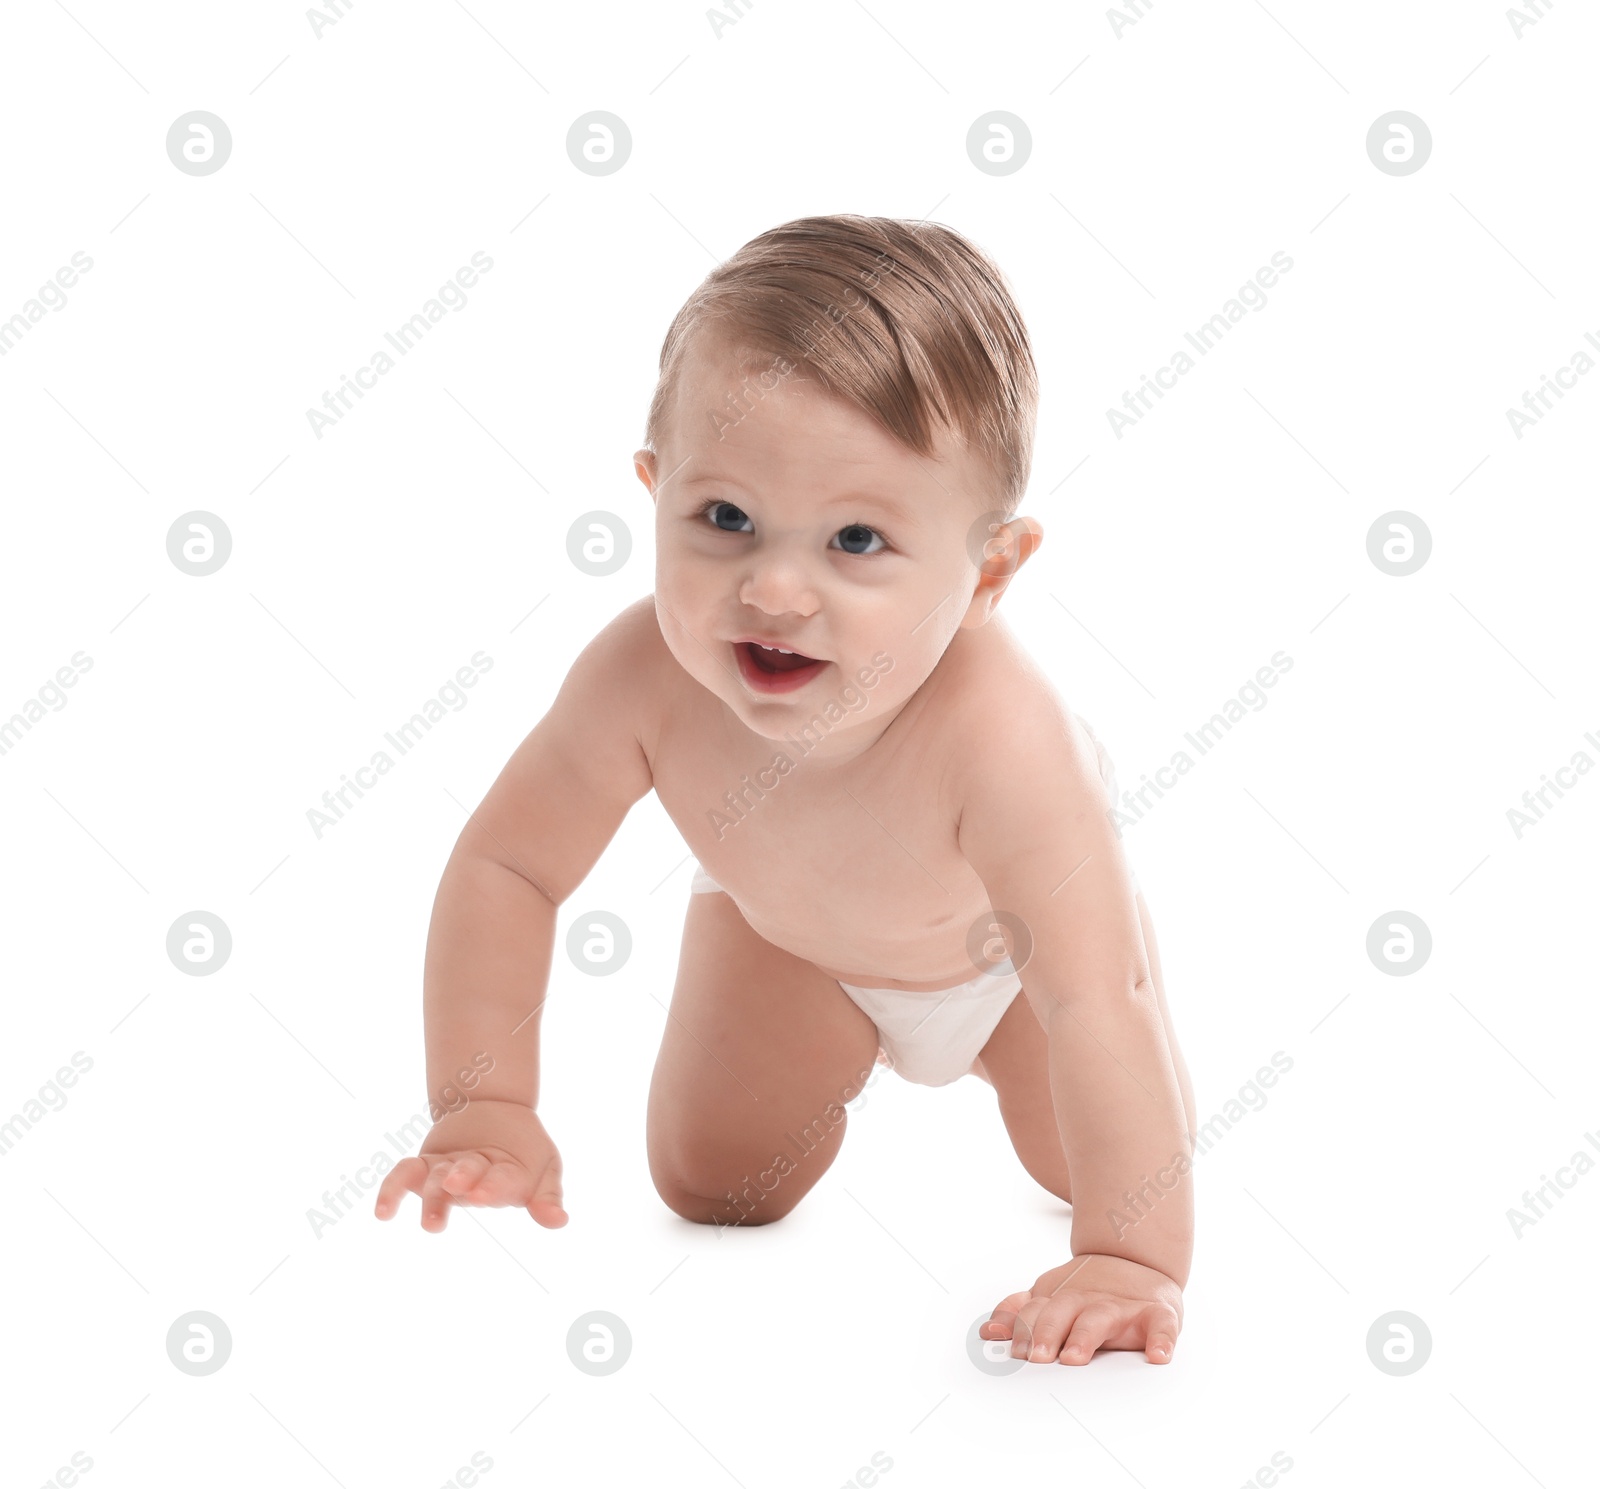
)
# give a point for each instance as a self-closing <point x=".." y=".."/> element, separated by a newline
<point x="1015" y="1062"/>
<point x="761" y="1052"/>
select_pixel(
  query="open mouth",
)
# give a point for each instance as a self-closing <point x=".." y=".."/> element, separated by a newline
<point x="770" y="669"/>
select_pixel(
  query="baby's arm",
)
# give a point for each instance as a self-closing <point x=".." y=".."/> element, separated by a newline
<point x="1034" y="826"/>
<point x="533" y="839"/>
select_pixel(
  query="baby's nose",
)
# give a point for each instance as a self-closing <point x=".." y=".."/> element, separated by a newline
<point x="779" y="584"/>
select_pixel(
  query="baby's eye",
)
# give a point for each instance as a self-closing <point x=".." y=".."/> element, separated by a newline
<point x="855" y="538"/>
<point x="726" y="517"/>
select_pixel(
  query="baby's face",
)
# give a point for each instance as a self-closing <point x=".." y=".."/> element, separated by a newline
<point x="788" y="518"/>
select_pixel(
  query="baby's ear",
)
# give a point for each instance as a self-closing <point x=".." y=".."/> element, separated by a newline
<point x="1027" y="533"/>
<point x="1012" y="545"/>
<point x="1000" y="545"/>
<point x="644" y="466"/>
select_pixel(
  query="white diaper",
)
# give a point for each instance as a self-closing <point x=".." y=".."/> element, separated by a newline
<point x="929" y="1038"/>
<point x="933" y="1038"/>
<point x="703" y="883"/>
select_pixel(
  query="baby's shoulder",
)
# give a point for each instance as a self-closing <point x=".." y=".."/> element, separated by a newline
<point x="624" y="668"/>
<point x="1006" y="720"/>
<point x="635" y="635"/>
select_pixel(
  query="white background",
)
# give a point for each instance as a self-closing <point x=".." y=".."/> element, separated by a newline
<point x="368" y="565"/>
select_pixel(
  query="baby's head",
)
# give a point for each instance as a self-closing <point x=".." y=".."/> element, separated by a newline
<point x="839" y="440"/>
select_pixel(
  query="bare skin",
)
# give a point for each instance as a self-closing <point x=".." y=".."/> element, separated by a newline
<point x="946" y="782"/>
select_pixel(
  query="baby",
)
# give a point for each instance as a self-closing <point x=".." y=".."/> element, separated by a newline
<point x="905" y="853"/>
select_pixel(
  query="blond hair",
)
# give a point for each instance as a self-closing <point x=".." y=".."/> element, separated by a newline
<point x="908" y="321"/>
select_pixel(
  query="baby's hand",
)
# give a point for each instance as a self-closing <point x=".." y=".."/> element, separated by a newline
<point x="1093" y="1302"/>
<point x="488" y="1153"/>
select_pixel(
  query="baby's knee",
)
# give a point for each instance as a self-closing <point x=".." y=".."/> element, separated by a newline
<point x="729" y="1208"/>
<point x="751" y="1199"/>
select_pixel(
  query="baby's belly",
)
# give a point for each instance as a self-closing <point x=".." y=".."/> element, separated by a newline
<point x="918" y="958"/>
<point x="879" y="980"/>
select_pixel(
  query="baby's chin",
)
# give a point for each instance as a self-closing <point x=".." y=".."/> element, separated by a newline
<point x="772" y="716"/>
<point x="828" y="709"/>
<point x="789" y="730"/>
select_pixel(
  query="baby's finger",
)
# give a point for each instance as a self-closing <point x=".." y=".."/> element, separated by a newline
<point x="406" y="1175"/>
<point x="1051" y="1324"/>
<point x="1004" y="1317"/>
<point x="502" y="1183"/>
<point x="1090" y="1330"/>
<point x="435" y="1199"/>
<point x="1161" y="1333"/>
<point x="545" y="1206"/>
<point x="465" y="1173"/>
<point x="1041" y="1325"/>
